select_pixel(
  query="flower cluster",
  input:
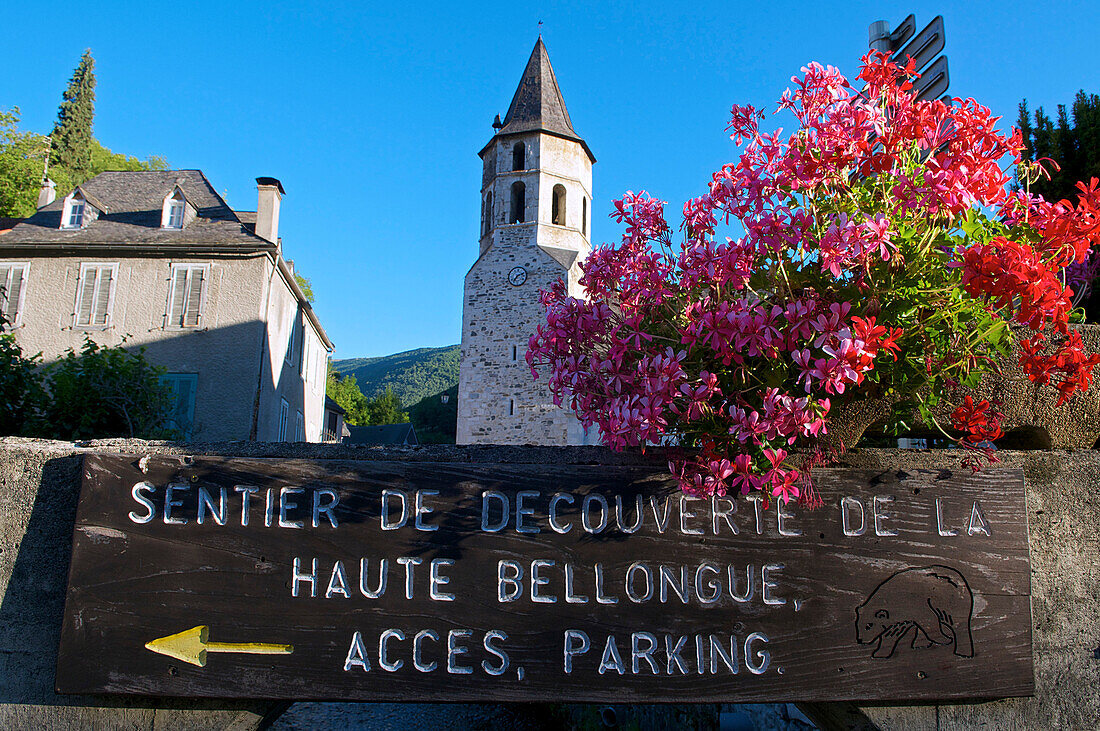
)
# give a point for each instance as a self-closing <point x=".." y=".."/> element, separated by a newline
<point x="860" y="265"/>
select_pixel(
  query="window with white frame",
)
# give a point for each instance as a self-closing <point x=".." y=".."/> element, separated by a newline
<point x="74" y="216"/>
<point x="186" y="296"/>
<point x="174" y="210"/>
<point x="299" y="427"/>
<point x="95" y="294"/>
<point x="284" y="410"/>
<point x="13" y="278"/>
<point x="175" y="214"/>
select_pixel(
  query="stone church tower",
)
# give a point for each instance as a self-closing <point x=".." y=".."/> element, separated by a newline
<point x="536" y="200"/>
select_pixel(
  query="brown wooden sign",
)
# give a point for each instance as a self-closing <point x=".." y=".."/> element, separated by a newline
<point x="321" y="579"/>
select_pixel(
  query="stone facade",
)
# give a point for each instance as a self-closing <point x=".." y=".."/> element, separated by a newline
<point x="536" y="202"/>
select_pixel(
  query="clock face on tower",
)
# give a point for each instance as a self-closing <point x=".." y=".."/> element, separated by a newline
<point x="517" y="276"/>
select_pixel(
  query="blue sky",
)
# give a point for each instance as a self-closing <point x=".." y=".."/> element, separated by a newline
<point x="372" y="114"/>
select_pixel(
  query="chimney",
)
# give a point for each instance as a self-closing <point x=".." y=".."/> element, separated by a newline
<point x="270" y="192"/>
<point x="47" y="194"/>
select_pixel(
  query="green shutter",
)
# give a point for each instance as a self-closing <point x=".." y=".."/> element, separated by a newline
<point x="183" y="387"/>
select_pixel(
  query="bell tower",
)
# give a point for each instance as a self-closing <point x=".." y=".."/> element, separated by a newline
<point x="536" y="201"/>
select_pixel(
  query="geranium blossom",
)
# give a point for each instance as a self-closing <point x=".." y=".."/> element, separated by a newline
<point x="862" y="265"/>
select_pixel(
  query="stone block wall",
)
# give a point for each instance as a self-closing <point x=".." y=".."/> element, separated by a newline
<point x="498" y="400"/>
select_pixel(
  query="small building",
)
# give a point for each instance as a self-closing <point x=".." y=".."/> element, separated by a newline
<point x="335" y="429"/>
<point x="401" y="434"/>
<point x="158" y="259"/>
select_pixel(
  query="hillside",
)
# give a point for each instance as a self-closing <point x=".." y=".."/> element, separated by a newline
<point x="412" y="375"/>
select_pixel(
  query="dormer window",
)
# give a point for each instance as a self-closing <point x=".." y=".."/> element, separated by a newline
<point x="74" y="215"/>
<point x="174" y="211"/>
<point x="80" y="209"/>
<point x="175" y="214"/>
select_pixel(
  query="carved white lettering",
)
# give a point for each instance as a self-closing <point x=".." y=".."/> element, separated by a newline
<point x="978" y="522"/>
<point x="357" y="654"/>
<point x="487" y="497"/>
<point x="523" y="512"/>
<point x="846" y="506"/>
<point x="388" y="497"/>
<point x="150" y="509"/>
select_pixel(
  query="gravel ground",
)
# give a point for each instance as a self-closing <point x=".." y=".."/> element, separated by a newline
<point x="400" y="716"/>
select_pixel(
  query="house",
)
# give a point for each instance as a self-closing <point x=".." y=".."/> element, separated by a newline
<point x="402" y="434"/>
<point x="158" y="259"/>
<point x="335" y="429"/>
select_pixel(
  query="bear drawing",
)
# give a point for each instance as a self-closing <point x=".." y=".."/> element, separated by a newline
<point x="934" y="604"/>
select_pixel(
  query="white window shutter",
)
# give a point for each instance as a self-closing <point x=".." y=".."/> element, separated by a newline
<point x="179" y="296"/>
<point x="103" y="295"/>
<point x="11" y="288"/>
<point x="87" y="297"/>
<point x="14" y="292"/>
<point x="290" y="342"/>
<point x="194" y="298"/>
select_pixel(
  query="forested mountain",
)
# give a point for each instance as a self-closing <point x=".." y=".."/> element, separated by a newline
<point x="412" y="375"/>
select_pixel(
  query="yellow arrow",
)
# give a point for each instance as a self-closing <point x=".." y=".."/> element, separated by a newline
<point x="193" y="644"/>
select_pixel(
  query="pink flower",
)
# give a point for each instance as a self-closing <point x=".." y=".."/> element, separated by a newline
<point x="783" y="486"/>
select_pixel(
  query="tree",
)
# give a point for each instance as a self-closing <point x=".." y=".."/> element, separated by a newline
<point x="436" y="421"/>
<point x="103" y="160"/>
<point x="1073" y="146"/>
<point x="386" y="408"/>
<point x="72" y="136"/>
<point x="20" y="386"/>
<point x="345" y="391"/>
<point x="305" y="285"/>
<point x="22" y="155"/>
<point x="105" y="392"/>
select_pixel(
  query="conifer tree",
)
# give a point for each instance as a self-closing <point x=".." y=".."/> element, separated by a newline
<point x="1072" y="143"/>
<point x="72" y="136"/>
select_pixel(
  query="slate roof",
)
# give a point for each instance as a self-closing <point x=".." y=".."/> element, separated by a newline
<point x="538" y="105"/>
<point x="331" y="405"/>
<point x="132" y="203"/>
<point x="384" y="434"/>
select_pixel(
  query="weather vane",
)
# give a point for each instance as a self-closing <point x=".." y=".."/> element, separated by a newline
<point x="540" y="27"/>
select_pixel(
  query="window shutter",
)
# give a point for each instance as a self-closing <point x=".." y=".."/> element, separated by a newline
<point x="14" y="291"/>
<point x="290" y="342"/>
<point x="11" y="286"/>
<point x="179" y="297"/>
<point x="87" y="297"/>
<point x="194" y="298"/>
<point x="103" y="295"/>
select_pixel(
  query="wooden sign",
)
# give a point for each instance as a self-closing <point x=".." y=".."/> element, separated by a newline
<point x="406" y="581"/>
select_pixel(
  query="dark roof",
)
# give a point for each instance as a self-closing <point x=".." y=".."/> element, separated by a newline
<point x="271" y="181"/>
<point x="8" y="223"/>
<point x="94" y="200"/>
<point x="331" y="405"/>
<point x="538" y="105"/>
<point x="131" y="203"/>
<point x="384" y="434"/>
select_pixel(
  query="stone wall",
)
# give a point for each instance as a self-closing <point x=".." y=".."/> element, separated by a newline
<point x="39" y="482"/>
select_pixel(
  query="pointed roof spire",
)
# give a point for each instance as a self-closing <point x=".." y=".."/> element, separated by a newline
<point x="538" y="104"/>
